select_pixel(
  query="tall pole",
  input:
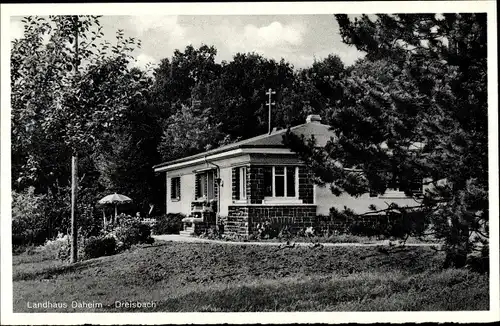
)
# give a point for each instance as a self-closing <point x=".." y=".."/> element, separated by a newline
<point x="74" y="173"/>
<point x="74" y="189"/>
<point x="270" y="93"/>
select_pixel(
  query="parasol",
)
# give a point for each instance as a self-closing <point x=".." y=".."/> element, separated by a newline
<point x="115" y="199"/>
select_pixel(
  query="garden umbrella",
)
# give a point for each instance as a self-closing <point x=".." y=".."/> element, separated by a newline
<point x="115" y="199"/>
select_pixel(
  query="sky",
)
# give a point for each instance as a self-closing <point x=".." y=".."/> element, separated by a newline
<point x="299" y="39"/>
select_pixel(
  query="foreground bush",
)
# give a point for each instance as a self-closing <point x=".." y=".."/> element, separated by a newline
<point x="57" y="248"/>
<point x="29" y="223"/>
<point x="168" y="224"/>
<point x="133" y="232"/>
<point x="98" y="247"/>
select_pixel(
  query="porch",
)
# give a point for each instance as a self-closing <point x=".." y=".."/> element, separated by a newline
<point x="202" y="217"/>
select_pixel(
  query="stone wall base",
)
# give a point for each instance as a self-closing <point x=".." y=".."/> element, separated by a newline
<point x="244" y="220"/>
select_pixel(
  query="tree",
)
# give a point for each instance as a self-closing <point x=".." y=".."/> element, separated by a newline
<point x="225" y="101"/>
<point x="54" y="94"/>
<point x="188" y="132"/>
<point x="176" y="77"/>
<point x="246" y="79"/>
<point x="179" y="86"/>
<point x="315" y="90"/>
<point x="125" y="159"/>
<point x="28" y="221"/>
<point x="415" y="108"/>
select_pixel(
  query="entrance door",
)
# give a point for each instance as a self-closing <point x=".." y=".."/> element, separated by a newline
<point x="210" y="185"/>
<point x="206" y="185"/>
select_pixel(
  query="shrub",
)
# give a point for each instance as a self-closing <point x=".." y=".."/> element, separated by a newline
<point x="211" y="233"/>
<point x="98" y="247"/>
<point x="64" y="251"/>
<point x="359" y="228"/>
<point x="58" y="247"/>
<point x="335" y="222"/>
<point x="168" y="224"/>
<point x="38" y="217"/>
<point x="133" y="232"/>
<point x="391" y="225"/>
<point x="63" y="247"/>
<point x="480" y="261"/>
<point x="29" y="223"/>
<point x="268" y="230"/>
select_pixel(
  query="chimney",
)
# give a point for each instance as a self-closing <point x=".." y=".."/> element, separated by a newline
<point x="313" y="118"/>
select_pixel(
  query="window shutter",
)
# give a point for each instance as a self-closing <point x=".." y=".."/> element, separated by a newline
<point x="172" y="188"/>
<point x="178" y="194"/>
<point x="236" y="183"/>
<point x="197" y="186"/>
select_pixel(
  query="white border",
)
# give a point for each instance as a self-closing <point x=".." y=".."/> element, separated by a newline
<point x="7" y="317"/>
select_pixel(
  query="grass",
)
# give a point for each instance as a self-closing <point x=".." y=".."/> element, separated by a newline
<point x="217" y="277"/>
<point x="340" y="238"/>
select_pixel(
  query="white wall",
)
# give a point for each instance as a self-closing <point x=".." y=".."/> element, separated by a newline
<point x="226" y="191"/>
<point x="325" y="199"/>
<point x="187" y="176"/>
<point x="187" y="195"/>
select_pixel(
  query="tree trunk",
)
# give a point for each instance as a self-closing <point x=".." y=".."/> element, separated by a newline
<point x="74" y="190"/>
<point x="456" y="256"/>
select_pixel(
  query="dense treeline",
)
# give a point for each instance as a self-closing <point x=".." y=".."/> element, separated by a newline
<point x="422" y="81"/>
<point x="121" y="120"/>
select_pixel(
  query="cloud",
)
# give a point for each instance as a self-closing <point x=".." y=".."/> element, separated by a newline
<point x="274" y="34"/>
<point x="167" y="25"/>
<point x="275" y="40"/>
<point x="295" y="40"/>
<point x="143" y="60"/>
<point x="159" y="35"/>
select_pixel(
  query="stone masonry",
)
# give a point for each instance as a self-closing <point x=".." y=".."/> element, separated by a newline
<point x="243" y="220"/>
<point x="306" y="186"/>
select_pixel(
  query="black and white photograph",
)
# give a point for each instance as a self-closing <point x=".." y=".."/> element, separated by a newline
<point x="192" y="161"/>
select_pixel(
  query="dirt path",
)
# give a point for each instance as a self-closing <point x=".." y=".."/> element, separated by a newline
<point x="181" y="238"/>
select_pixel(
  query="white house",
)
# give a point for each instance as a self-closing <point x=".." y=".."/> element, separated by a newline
<point x="257" y="179"/>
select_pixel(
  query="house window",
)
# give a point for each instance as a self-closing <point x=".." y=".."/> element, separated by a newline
<point x="243" y="183"/>
<point x="281" y="182"/>
<point x="291" y="176"/>
<point x="268" y="181"/>
<point x="205" y="185"/>
<point x="239" y="180"/>
<point x="393" y="184"/>
<point x="175" y="188"/>
<point x="405" y="186"/>
<point x="415" y="186"/>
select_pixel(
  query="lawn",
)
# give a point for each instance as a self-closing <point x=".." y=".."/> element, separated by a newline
<point x="338" y="238"/>
<point x="221" y="277"/>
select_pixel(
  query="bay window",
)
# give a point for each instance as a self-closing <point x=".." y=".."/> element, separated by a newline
<point x="281" y="184"/>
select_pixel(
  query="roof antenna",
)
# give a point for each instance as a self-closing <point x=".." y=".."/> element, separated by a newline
<point x="270" y="92"/>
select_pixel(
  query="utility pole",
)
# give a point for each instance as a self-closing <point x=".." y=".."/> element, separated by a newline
<point x="270" y="93"/>
<point x="74" y="170"/>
